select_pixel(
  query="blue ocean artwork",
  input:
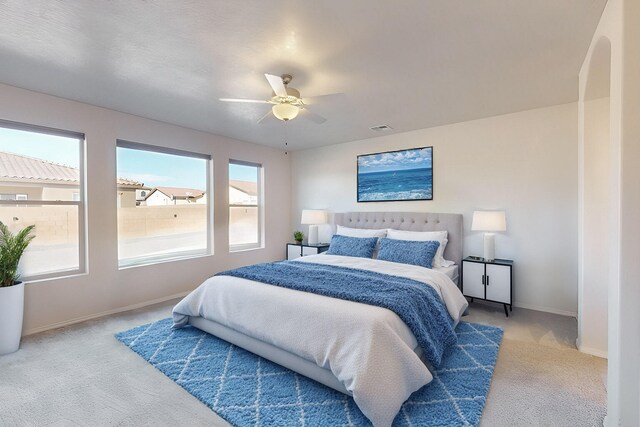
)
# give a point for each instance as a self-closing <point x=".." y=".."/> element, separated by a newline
<point x="396" y="175"/>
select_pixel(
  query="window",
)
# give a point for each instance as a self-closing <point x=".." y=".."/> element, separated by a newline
<point x="40" y="171"/>
<point x="163" y="204"/>
<point x="245" y="205"/>
<point x="13" y="197"/>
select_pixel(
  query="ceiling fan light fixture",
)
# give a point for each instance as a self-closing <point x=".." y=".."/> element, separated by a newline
<point x="285" y="111"/>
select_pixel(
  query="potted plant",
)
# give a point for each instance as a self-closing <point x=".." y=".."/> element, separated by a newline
<point x="12" y="246"/>
<point x="298" y="236"/>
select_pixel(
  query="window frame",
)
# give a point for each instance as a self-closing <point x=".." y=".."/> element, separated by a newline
<point x="176" y="256"/>
<point x="259" y="204"/>
<point x="81" y="204"/>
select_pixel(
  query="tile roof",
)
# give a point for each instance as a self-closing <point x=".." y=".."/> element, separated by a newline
<point x="19" y="168"/>
<point x="247" y="187"/>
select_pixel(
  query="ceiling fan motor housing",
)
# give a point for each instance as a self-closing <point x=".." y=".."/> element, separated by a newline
<point x="292" y="98"/>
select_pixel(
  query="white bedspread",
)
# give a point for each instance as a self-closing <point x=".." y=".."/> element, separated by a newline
<point x="369" y="349"/>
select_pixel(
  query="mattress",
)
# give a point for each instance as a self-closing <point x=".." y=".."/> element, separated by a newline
<point x="451" y="272"/>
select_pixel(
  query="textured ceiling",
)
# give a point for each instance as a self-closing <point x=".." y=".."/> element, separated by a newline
<point x="408" y="64"/>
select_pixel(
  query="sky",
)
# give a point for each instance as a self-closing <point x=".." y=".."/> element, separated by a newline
<point x="162" y="170"/>
<point x="416" y="158"/>
<point x="243" y="173"/>
<point x="56" y="149"/>
<point x="152" y="169"/>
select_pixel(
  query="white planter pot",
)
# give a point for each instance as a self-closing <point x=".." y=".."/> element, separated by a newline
<point x="11" y="311"/>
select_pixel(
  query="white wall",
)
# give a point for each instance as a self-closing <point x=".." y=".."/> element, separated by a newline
<point x="105" y="288"/>
<point x="596" y="199"/>
<point x="629" y="223"/>
<point x="524" y="163"/>
<point x="618" y="26"/>
<point x="158" y="198"/>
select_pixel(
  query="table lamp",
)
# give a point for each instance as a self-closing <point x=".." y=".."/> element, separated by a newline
<point x="489" y="221"/>
<point x="313" y="217"/>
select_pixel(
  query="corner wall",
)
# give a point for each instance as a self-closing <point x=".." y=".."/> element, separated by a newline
<point x="619" y="25"/>
<point x="524" y="163"/>
<point x="106" y="289"/>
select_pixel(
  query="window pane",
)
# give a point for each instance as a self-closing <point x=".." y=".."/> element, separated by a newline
<point x="244" y="206"/>
<point x="43" y="166"/>
<point x="56" y="246"/>
<point x="37" y="166"/>
<point x="243" y="225"/>
<point x="162" y="206"/>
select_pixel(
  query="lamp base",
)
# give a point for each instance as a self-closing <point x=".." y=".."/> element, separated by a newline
<point x="489" y="247"/>
<point x="313" y="235"/>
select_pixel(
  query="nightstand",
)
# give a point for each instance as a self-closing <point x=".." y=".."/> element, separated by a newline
<point x="295" y="250"/>
<point x="488" y="280"/>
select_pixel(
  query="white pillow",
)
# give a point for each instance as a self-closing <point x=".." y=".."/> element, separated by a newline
<point x="361" y="232"/>
<point x="440" y="236"/>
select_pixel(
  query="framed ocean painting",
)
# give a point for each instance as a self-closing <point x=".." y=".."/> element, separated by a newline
<point x="396" y="175"/>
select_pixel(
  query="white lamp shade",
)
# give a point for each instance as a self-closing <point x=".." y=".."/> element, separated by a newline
<point x="489" y="221"/>
<point x="314" y="216"/>
<point x="285" y="111"/>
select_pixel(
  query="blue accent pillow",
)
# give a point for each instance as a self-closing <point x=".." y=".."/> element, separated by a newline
<point x="408" y="251"/>
<point x="362" y="247"/>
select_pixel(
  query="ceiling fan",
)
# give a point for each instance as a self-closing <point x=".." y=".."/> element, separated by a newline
<point x="286" y="101"/>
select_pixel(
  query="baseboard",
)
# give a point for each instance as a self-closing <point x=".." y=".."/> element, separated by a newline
<point x="103" y="314"/>
<point x="593" y="352"/>
<point x="546" y="309"/>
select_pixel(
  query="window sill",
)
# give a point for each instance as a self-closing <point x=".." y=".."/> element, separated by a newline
<point x="62" y="276"/>
<point x="245" y="249"/>
<point x="149" y="262"/>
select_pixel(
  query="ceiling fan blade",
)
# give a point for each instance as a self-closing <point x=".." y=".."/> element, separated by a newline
<point x="321" y="99"/>
<point x="265" y="117"/>
<point x="310" y="115"/>
<point x="276" y="84"/>
<point x="253" y="101"/>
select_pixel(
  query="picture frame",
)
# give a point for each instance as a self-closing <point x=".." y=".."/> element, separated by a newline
<point x="393" y="176"/>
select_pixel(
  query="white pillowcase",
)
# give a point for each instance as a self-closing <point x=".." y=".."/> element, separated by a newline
<point x="440" y="236"/>
<point x="360" y="232"/>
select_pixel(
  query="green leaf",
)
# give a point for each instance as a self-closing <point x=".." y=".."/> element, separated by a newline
<point x="12" y="246"/>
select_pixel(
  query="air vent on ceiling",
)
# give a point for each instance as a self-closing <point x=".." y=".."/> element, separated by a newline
<point x="380" y="128"/>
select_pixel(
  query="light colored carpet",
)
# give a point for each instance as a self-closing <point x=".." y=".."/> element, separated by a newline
<point x="540" y="378"/>
<point x="82" y="376"/>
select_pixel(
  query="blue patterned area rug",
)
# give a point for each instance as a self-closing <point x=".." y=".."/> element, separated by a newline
<point x="248" y="390"/>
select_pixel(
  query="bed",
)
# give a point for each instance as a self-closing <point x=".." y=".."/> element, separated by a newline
<point x="348" y="346"/>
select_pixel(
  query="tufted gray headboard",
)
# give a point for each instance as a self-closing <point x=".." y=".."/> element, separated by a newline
<point x="412" y="221"/>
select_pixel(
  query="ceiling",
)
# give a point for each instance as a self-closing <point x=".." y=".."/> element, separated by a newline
<point x="409" y="64"/>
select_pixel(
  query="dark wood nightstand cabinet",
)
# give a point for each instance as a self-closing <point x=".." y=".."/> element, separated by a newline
<point x="488" y="280"/>
<point x="295" y="250"/>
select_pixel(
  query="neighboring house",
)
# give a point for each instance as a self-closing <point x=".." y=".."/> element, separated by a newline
<point x="240" y="193"/>
<point x="243" y="192"/>
<point x="127" y="192"/>
<point x="29" y="178"/>
<point x="142" y="194"/>
<point x="161" y="196"/>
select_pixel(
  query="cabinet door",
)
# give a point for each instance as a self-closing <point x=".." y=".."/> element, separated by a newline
<point x="499" y="283"/>
<point x="293" y="252"/>
<point x="306" y="250"/>
<point x="472" y="285"/>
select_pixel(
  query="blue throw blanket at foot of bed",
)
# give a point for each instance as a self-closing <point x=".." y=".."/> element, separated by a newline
<point x="416" y="303"/>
